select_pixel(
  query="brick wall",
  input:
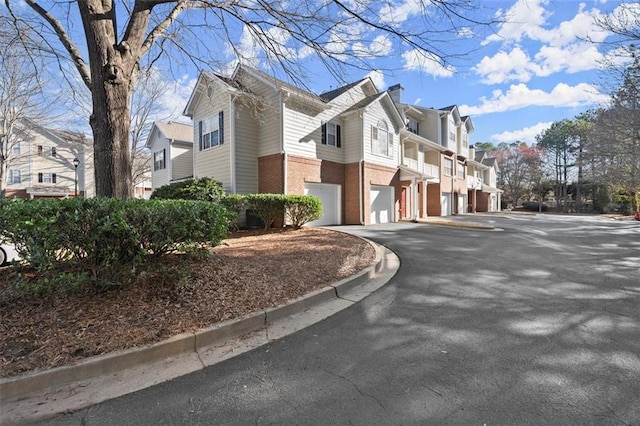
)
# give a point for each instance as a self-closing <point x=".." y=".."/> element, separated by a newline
<point x="434" y="207"/>
<point x="301" y="170"/>
<point x="482" y="204"/>
<point x="271" y="174"/>
<point x="352" y="194"/>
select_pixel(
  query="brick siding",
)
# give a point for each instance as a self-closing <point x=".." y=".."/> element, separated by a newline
<point x="271" y="174"/>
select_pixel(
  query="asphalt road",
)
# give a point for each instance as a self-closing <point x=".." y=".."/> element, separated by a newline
<point x="536" y="322"/>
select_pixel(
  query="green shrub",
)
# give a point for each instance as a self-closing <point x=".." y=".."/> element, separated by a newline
<point x="234" y="203"/>
<point x="302" y="209"/>
<point x="103" y="241"/>
<point x="198" y="189"/>
<point x="268" y="207"/>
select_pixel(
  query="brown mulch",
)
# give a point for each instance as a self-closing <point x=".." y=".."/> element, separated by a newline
<point x="252" y="270"/>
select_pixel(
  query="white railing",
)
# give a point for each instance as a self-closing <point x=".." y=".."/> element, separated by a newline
<point x="431" y="170"/>
<point x="474" y="182"/>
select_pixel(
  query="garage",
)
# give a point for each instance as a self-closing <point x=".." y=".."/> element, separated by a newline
<point x="382" y="203"/>
<point x="446" y="204"/>
<point x="329" y="195"/>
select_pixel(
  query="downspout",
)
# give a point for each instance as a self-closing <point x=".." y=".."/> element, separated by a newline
<point x="360" y="173"/>
<point x="170" y="158"/>
<point x="282" y="150"/>
<point x="232" y="142"/>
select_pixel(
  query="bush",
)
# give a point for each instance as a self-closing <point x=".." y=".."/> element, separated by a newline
<point x="268" y="207"/>
<point x="534" y="206"/>
<point x="105" y="240"/>
<point x="302" y="209"/>
<point x="234" y="203"/>
<point x="199" y="189"/>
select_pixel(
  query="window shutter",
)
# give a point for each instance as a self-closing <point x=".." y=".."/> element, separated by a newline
<point x="417" y="127"/>
<point x="54" y="178"/>
<point x="324" y="134"/>
<point x="40" y="150"/>
<point x="374" y="133"/>
<point x="39" y="177"/>
<point x="338" y="141"/>
<point x="53" y="151"/>
<point x="200" y="134"/>
<point x="221" y="126"/>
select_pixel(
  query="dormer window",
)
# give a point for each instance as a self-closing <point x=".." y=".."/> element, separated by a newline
<point x="413" y="126"/>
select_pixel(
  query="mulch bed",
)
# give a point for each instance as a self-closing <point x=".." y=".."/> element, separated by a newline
<point x="250" y="271"/>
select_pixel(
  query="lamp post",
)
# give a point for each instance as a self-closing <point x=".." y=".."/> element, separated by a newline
<point x="76" y="163"/>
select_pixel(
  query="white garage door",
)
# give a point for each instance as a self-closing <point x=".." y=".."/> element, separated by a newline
<point x="329" y="195"/>
<point x="382" y="198"/>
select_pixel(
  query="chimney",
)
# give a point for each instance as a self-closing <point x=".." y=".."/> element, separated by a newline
<point x="472" y="152"/>
<point x="395" y="92"/>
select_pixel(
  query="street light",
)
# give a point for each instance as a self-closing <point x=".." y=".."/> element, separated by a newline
<point x="76" y="163"/>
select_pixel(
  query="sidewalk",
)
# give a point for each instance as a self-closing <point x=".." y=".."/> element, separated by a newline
<point x="41" y="395"/>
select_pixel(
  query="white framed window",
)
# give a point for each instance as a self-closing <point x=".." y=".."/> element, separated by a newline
<point x="46" y="151"/>
<point x="448" y="167"/>
<point x="465" y="140"/>
<point x="47" y="178"/>
<point x="331" y="134"/>
<point x="211" y="131"/>
<point x="382" y="139"/>
<point x="159" y="161"/>
<point x="15" y="149"/>
<point x="15" y="176"/>
<point x="413" y="126"/>
<point x="452" y="136"/>
<point x="460" y="170"/>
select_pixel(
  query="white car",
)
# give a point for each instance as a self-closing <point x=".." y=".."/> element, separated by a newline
<point x="7" y="253"/>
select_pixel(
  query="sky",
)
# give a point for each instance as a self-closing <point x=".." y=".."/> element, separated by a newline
<point x="534" y="68"/>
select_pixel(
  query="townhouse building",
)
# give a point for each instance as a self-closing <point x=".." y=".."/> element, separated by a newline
<point x="484" y="195"/>
<point x="369" y="157"/>
<point x="49" y="163"/>
<point x="254" y="133"/>
<point x="171" y="152"/>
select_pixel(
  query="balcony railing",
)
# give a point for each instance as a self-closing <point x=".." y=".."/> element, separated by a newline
<point x="421" y="167"/>
<point x="474" y="182"/>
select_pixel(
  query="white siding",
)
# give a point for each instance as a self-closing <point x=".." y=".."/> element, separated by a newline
<point x="181" y="161"/>
<point x="352" y="138"/>
<point x="213" y="162"/>
<point x="374" y="113"/>
<point x="162" y="176"/>
<point x="246" y="146"/>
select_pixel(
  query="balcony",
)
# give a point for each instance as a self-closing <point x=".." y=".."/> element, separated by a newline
<point x="428" y="169"/>
<point x="474" y="182"/>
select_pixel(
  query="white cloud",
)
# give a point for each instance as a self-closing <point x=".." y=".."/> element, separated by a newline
<point x="416" y="60"/>
<point x="465" y="32"/>
<point x="378" y="79"/>
<point x="505" y="66"/>
<point x="573" y="58"/>
<point x="400" y="12"/>
<point x="520" y="96"/>
<point x="524" y="18"/>
<point x="380" y="46"/>
<point x="528" y="134"/>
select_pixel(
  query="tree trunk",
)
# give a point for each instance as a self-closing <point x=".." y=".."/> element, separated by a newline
<point x="112" y="69"/>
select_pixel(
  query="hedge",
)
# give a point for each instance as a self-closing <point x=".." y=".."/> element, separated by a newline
<point x="106" y="237"/>
<point x="198" y="189"/>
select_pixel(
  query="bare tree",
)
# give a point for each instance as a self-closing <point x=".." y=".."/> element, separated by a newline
<point x="20" y="99"/>
<point x="283" y="33"/>
<point x="145" y="110"/>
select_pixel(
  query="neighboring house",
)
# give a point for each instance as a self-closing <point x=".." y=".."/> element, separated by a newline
<point x="483" y="171"/>
<point x="42" y="164"/>
<point x="254" y="133"/>
<point x="171" y="149"/>
<point x="434" y="151"/>
<point x="141" y="176"/>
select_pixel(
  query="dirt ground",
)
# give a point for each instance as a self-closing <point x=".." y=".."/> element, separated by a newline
<point x="250" y="271"/>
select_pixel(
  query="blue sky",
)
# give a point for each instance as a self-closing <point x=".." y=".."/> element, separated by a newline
<point x="534" y="69"/>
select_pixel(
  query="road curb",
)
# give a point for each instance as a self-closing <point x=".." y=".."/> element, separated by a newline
<point x="39" y="395"/>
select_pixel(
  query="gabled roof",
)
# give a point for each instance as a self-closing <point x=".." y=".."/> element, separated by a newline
<point x="332" y="94"/>
<point x="176" y="131"/>
<point x="381" y="97"/>
<point x="480" y="155"/>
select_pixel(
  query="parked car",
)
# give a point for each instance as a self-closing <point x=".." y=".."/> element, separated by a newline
<point x="637" y="216"/>
<point x="7" y="254"/>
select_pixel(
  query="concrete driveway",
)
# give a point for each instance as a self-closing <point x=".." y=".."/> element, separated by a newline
<point x="535" y="322"/>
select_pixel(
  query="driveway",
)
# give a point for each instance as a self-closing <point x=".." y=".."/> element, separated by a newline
<point x="535" y="322"/>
